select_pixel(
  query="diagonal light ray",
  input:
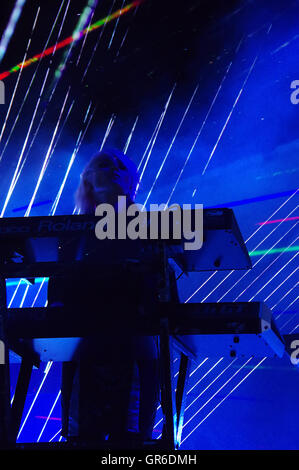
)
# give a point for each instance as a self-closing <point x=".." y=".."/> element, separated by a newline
<point x="30" y="84"/>
<point x="18" y="79"/>
<point x="249" y="238"/>
<point x="10" y="28"/>
<point x="46" y="372"/>
<point x="269" y="265"/>
<point x="236" y="386"/>
<point x="49" y="415"/>
<point x="203" y="125"/>
<point x="283" y="297"/>
<point x="171" y="144"/>
<point x="158" y="127"/>
<point x="281" y="284"/>
<point x="274" y="275"/>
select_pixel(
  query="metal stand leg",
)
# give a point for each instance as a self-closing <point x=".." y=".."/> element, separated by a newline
<point x="6" y="437"/>
<point x="20" y="394"/>
<point x="181" y="393"/>
<point x="167" y="392"/>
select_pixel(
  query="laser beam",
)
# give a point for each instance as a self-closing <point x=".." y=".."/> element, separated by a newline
<point x="69" y="40"/>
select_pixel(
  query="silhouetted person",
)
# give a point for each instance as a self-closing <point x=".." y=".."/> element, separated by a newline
<point x="97" y="384"/>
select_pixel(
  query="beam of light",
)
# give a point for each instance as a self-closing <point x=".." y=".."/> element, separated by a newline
<point x="130" y="136"/>
<point x="263" y="359"/>
<point x="202" y="392"/>
<point x="260" y="259"/>
<point x="199" y="133"/>
<point x="14" y="294"/>
<point x="18" y="79"/>
<point x="58" y="136"/>
<point x="288" y="312"/>
<point x="207" y="373"/>
<point x="154" y="138"/>
<point x="72" y="159"/>
<point x="289" y="305"/>
<point x="85" y="17"/>
<point x="55" y="435"/>
<point x="38" y="280"/>
<point x="97" y="43"/>
<point x="31" y="82"/>
<point x="55" y="202"/>
<point x="171" y="144"/>
<point x="264" y="197"/>
<point x="123" y="40"/>
<point x="75" y="37"/>
<point x="49" y="416"/>
<point x="89" y="14"/>
<point x="281" y="327"/>
<point x="10" y="28"/>
<point x="196" y="369"/>
<point x="49" y="364"/>
<point x="81" y="24"/>
<point x="216" y="393"/>
<point x="46" y="160"/>
<point x="278" y="287"/>
<point x="229" y="115"/>
<point x="285" y="44"/>
<point x="268" y="266"/>
<point x="46" y="372"/>
<point x="275" y="212"/>
<point x="228" y="275"/>
<point x="24" y="296"/>
<point x="243" y="378"/>
<point x="203" y="124"/>
<point x="115" y="27"/>
<point x="269" y="296"/>
<point x="15" y="176"/>
<point x="36" y="204"/>
<point x="43" y="280"/>
<point x="62" y="128"/>
<point x="48" y="98"/>
<point x="211" y="383"/>
<point x="294" y="329"/>
<point x="278" y="220"/>
<point x="274" y="275"/>
<point x="252" y="235"/>
<point x="150" y="141"/>
<point x="126" y="33"/>
<point x="108" y="130"/>
<point x="232" y="109"/>
<point x="275" y="250"/>
<point x="236" y="386"/>
<point x="199" y="287"/>
<point x="284" y="296"/>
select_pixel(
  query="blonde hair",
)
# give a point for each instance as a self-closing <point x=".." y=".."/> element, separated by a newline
<point x="84" y="194"/>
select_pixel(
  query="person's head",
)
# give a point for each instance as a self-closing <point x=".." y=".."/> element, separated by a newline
<point x="109" y="174"/>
